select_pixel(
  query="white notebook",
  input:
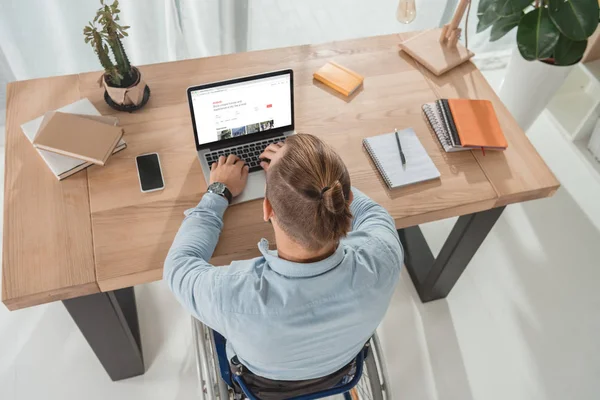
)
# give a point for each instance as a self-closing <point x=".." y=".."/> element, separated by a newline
<point x="384" y="152"/>
<point x="60" y="165"/>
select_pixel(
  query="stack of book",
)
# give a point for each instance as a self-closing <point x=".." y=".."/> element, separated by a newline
<point x="74" y="137"/>
<point x="463" y="124"/>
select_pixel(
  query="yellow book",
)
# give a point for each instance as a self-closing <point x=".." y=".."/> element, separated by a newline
<point x="339" y="78"/>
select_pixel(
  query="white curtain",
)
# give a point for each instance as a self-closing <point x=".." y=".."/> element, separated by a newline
<point x="6" y="75"/>
<point x="44" y="37"/>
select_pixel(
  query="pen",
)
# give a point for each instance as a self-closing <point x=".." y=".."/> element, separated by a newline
<point x="400" y="148"/>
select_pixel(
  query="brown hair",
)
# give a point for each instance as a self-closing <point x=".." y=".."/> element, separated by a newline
<point x="309" y="190"/>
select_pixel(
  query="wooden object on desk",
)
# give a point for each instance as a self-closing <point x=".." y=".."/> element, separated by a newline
<point x="133" y="231"/>
<point x="47" y="246"/>
<point x="451" y="32"/>
<point x="436" y="57"/>
<point x="438" y="49"/>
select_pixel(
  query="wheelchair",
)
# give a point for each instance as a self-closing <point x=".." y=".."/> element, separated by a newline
<point x="216" y="380"/>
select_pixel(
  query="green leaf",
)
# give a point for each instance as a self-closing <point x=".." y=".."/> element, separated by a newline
<point x="487" y="19"/>
<point x="504" y="25"/>
<point x="576" y="19"/>
<point x="125" y="34"/>
<point x="568" y="52"/>
<point x="537" y="35"/>
<point x="507" y="8"/>
<point x="484" y="5"/>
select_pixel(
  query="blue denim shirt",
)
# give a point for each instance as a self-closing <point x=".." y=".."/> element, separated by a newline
<point x="287" y="320"/>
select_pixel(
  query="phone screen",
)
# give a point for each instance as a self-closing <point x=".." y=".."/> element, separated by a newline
<point x="149" y="172"/>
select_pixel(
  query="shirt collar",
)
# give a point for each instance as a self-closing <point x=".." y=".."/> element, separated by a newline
<point x="299" y="270"/>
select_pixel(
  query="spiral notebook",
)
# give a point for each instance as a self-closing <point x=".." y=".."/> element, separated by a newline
<point x="384" y="152"/>
<point x="435" y="116"/>
<point x="465" y="124"/>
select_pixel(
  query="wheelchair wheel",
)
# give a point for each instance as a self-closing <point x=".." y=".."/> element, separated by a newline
<point x="374" y="384"/>
<point x="211" y="385"/>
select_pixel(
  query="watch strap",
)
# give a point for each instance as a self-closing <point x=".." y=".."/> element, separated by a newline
<point x="228" y="195"/>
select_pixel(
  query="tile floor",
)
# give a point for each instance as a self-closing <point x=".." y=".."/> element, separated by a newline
<point x="522" y="322"/>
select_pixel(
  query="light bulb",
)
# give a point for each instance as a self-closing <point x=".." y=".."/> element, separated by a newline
<point x="407" y="11"/>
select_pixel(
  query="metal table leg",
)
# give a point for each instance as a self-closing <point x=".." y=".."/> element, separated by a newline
<point x="109" y="323"/>
<point x="434" y="278"/>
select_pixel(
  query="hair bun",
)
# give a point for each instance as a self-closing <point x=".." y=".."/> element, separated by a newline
<point x="333" y="198"/>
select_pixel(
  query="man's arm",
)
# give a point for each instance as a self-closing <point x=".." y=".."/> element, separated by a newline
<point x="191" y="278"/>
<point x="371" y="218"/>
<point x="194" y="281"/>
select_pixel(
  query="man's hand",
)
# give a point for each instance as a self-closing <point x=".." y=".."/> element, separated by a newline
<point x="230" y="171"/>
<point x="272" y="153"/>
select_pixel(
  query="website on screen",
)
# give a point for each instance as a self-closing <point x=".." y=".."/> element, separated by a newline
<point x="242" y="108"/>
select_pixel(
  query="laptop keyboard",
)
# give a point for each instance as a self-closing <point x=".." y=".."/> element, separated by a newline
<point x="247" y="152"/>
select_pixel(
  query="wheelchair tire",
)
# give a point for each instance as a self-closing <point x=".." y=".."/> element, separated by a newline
<point x="374" y="384"/>
<point x="376" y="392"/>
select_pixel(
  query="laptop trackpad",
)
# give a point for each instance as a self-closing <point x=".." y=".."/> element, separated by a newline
<point x="255" y="189"/>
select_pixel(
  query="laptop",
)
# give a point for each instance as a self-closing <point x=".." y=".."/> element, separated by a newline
<point x="242" y="116"/>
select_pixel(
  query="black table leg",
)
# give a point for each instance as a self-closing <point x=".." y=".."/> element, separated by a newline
<point x="434" y="278"/>
<point x="109" y="323"/>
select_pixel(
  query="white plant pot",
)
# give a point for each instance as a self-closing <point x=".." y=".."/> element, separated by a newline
<point x="594" y="144"/>
<point x="529" y="86"/>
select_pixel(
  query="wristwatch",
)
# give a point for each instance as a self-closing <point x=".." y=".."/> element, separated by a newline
<point x="220" y="189"/>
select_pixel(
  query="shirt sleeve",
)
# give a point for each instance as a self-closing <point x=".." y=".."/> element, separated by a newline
<point x="193" y="280"/>
<point x="372" y="219"/>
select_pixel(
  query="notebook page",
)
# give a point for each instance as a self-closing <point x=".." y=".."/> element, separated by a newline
<point x="419" y="166"/>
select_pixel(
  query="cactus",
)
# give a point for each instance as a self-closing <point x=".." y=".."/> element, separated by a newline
<point x="95" y="38"/>
<point x="104" y="32"/>
<point x="121" y="57"/>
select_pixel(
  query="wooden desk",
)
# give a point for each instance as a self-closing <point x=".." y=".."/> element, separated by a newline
<point x="96" y="234"/>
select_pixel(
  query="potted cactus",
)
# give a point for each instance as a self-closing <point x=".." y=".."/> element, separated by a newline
<point x="125" y="89"/>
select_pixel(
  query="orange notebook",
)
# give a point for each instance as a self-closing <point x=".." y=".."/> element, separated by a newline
<point x="339" y="78"/>
<point x="477" y="124"/>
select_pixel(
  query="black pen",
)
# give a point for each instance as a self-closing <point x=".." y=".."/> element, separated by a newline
<point x="400" y="148"/>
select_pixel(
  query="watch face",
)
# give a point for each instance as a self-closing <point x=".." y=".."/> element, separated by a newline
<point x="217" y="188"/>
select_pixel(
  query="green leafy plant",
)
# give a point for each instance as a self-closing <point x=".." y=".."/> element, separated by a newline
<point x="104" y="32"/>
<point x="554" y="31"/>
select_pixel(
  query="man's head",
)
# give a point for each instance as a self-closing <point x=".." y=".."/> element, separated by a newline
<point x="308" y="192"/>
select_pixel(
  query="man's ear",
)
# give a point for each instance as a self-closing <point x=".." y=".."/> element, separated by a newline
<point x="267" y="210"/>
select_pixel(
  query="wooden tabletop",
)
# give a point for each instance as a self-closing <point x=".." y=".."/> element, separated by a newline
<point x="95" y="231"/>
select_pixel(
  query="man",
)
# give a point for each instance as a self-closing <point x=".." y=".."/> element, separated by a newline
<point x="305" y="310"/>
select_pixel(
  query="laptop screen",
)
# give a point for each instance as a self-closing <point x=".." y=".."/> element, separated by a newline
<point x="243" y="108"/>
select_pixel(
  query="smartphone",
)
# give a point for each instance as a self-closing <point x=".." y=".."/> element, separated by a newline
<point x="149" y="172"/>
